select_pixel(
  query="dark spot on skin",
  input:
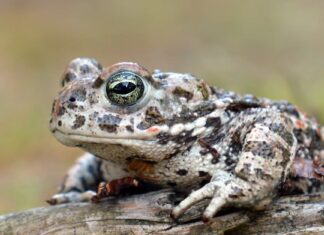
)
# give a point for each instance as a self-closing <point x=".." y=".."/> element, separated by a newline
<point x="109" y="119"/>
<point x="143" y="126"/>
<point x="84" y="69"/>
<point x="92" y="98"/>
<point x="98" y="82"/>
<point x="279" y="129"/>
<point x="247" y="167"/>
<point x="205" y="108"/>
<point x="185" y="80"/>
<point x="109" y="123"/>
<point x="303" y="152"/>
<point x="152" y="117"/>
<point x="204" y="144"/>
<point x="183" y="138"/>
<point x="262" y="175"/>
<point x="96" y="64"/>
<point x="203" y="151"/>
<point x="288" y="137"/>
<point x="317" y="144"/>
<point x="72" y="99"/>
<point x="240" y="105"/>
<point x="285" y="154"/>
<point x="67" y="78"/>
<point x="229" y="161"/>
<point x="204" y="90"/>
<point x="172" y="184"/>
<point x="286" y="107"/>
<point x="260" y="148"/>
<point x="213" y="121"/>
<point x="59" y="123"/>
<point x="185" y="115"/>
<point x="108" y="128"/>
<point x="163" y="138"/>
<point x="161" y="75"/>
<point x="153" y="81"/>
<point x="203" y="173"/>
<point x="129" y="128"/>
<point x="259" y="172"/>
<point x="214" y="137"/>
<point x="60" y="110"/>
<point x="53" y="106"/>
<point x="236" y="144"/>
<point x="215" y="159"/>
<point x="182" y="172"/>
<point x="292" y="111"/>
<point x="182" y="93"/>
<point x="72" y="105"/>
<point x="236" y="192"/>
<point x="79" y="94"/>
<point x="78" y="122"/>
<point x="299" y="135"/>
<point x="214" y="91"/>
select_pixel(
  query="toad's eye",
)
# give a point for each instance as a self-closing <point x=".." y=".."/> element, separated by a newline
<point x="124" y="88"/>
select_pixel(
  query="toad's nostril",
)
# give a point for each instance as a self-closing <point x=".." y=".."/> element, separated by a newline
<point x="72" y="99"/>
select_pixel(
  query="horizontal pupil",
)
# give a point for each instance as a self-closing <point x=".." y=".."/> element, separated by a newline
<point x="124" y="88"/>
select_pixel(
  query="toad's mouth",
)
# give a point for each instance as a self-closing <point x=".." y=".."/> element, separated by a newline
<point x="76" y="139"/>
<point x="119" y="147"/>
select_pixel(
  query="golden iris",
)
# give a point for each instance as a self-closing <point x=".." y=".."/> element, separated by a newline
<point x="124" y="88"/>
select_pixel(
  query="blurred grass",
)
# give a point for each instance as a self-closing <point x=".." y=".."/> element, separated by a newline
<point x="268" y="48"/>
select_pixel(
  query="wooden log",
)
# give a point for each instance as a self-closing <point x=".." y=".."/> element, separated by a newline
<point x="149" y="214"/>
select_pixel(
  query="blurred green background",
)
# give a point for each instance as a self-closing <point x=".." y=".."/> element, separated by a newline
<point x="268" y="48"/>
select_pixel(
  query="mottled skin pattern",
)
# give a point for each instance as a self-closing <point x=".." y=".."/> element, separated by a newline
<point x="239" y="151"/>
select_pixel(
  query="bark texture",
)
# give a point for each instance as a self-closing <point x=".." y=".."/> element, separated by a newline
<point x="149" y="214"/>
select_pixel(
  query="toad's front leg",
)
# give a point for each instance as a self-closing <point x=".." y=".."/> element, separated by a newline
<point x="81" y="182"/>
<point x="268" y="150"/>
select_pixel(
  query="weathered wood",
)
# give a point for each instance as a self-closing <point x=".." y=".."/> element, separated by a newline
<point x="149" y="214"/>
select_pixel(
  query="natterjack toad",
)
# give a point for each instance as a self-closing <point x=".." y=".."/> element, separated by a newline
<point x="174" y="130"/>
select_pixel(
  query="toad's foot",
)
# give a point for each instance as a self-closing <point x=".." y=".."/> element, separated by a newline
<point x="230" y="191"/>
<point x="73" y="196"/>
<point x="115" y="187"/>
